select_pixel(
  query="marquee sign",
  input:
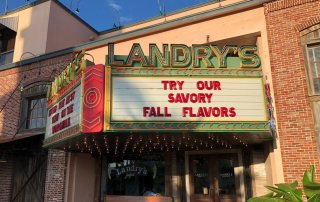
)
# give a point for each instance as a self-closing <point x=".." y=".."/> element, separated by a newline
<point x="77" y="107"/>
<point x="187" y="99"/>
<point x="182" y="56"/>
<point x="179" y="87"/>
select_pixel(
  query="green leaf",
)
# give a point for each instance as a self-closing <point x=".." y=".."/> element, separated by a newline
<point x="308" y="176"/>
<point x="287" y="187"/>
<point x="266" y="199"/>
<point x="314" y="198"/>
<point x="311" y="187"/>
<point x="291" y="188"/>
<point x="276" y="190"/>
<point x="289" y="193"/>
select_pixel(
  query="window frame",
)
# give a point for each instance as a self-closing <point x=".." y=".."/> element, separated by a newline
<point x="312" y="90"/>
<point x="37" y="90"/>
<point x="30" y="109"/>
<point x="309" y="39"/>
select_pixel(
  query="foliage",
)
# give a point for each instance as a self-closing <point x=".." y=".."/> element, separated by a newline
<point x="310" y="186"/>
<point x="289" y="193"/>
<point x="281" y="193"/>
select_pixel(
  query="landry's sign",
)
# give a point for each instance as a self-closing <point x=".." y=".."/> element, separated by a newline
<point x="69" y="75"/>
<point x="182" y="56"/>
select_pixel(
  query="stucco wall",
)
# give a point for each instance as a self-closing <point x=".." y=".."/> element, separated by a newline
<point x="32" y="31"/>
<point x="81" y="178"/>
<point x="169" y="17"/>
<point x="64" y="30"/>
<point x="47" y="27"/>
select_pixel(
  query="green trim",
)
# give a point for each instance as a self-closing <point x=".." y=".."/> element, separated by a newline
<point x="191" y="126"/>
<point x="62" y="136"/>
<point x="62" y="140"/>
<point x="203" y="72"/>
<point x="37" y="59"/>
<point x="67" y="89"/>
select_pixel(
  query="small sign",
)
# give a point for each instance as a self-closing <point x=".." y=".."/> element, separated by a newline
<point x="64" y="114"/>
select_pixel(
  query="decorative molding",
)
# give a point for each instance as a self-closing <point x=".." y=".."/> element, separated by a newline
<point x="283" y="4"/>
<point x="62" y="136"/>
<point x="36" y="88"/>
<point x="63" y="92"/>
<point x="191" y="126"/>
<point x="186" y="72"/>
<point x="309" y="25"/>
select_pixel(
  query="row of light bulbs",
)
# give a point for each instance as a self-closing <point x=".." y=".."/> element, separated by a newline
<point x="140" y="144"/>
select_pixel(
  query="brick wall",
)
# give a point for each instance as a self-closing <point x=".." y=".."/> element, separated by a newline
<point x="294" y="112"/>
<point x="6" y="170"/>
<point x="12" y="79"/>
<point x="55" y="179"/>
<point x="10" y="96"/>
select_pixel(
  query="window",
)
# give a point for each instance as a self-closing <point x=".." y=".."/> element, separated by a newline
<point x="314" y="71"/>
<point x="33" y="109"/>
<point x="8" y="38"/>
<point x="134" y="176"/>
<point x="7" y="43"/>
<point x="36" y="113"/>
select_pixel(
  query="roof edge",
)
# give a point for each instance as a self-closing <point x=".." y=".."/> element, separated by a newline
<point x="75" y="16"/>
<point x="106" y="31"/>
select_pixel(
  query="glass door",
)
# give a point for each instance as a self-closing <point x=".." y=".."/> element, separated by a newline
<point x="212" y="178"/>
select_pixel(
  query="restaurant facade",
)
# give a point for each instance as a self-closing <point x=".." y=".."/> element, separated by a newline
<point x="193" y="106"/>
<point x="181" y="108"/>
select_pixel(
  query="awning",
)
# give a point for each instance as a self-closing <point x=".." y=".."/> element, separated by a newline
<point x="19" y="136"/>
<point x="115" y="143"/>
<point x="11" y="22"/>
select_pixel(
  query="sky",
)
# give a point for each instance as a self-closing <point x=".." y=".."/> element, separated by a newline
<point x="104" y="14"/>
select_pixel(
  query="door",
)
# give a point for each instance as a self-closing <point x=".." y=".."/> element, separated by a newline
<point x="212" y="178"/>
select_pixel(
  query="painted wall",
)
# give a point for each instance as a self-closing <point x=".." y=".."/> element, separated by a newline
<point x="32" y="31"/>
<point x="237" y="24"/>
<point x="64" y="30"/>
<point x="47" y="27"/>
<point x="81" y="178"/>
<point x="169" y="17"/>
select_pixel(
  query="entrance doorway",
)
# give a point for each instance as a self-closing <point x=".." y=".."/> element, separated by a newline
<point x="213" y="178"/>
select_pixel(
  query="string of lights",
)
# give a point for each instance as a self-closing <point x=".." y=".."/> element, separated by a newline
<point x="142" y="143"/>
